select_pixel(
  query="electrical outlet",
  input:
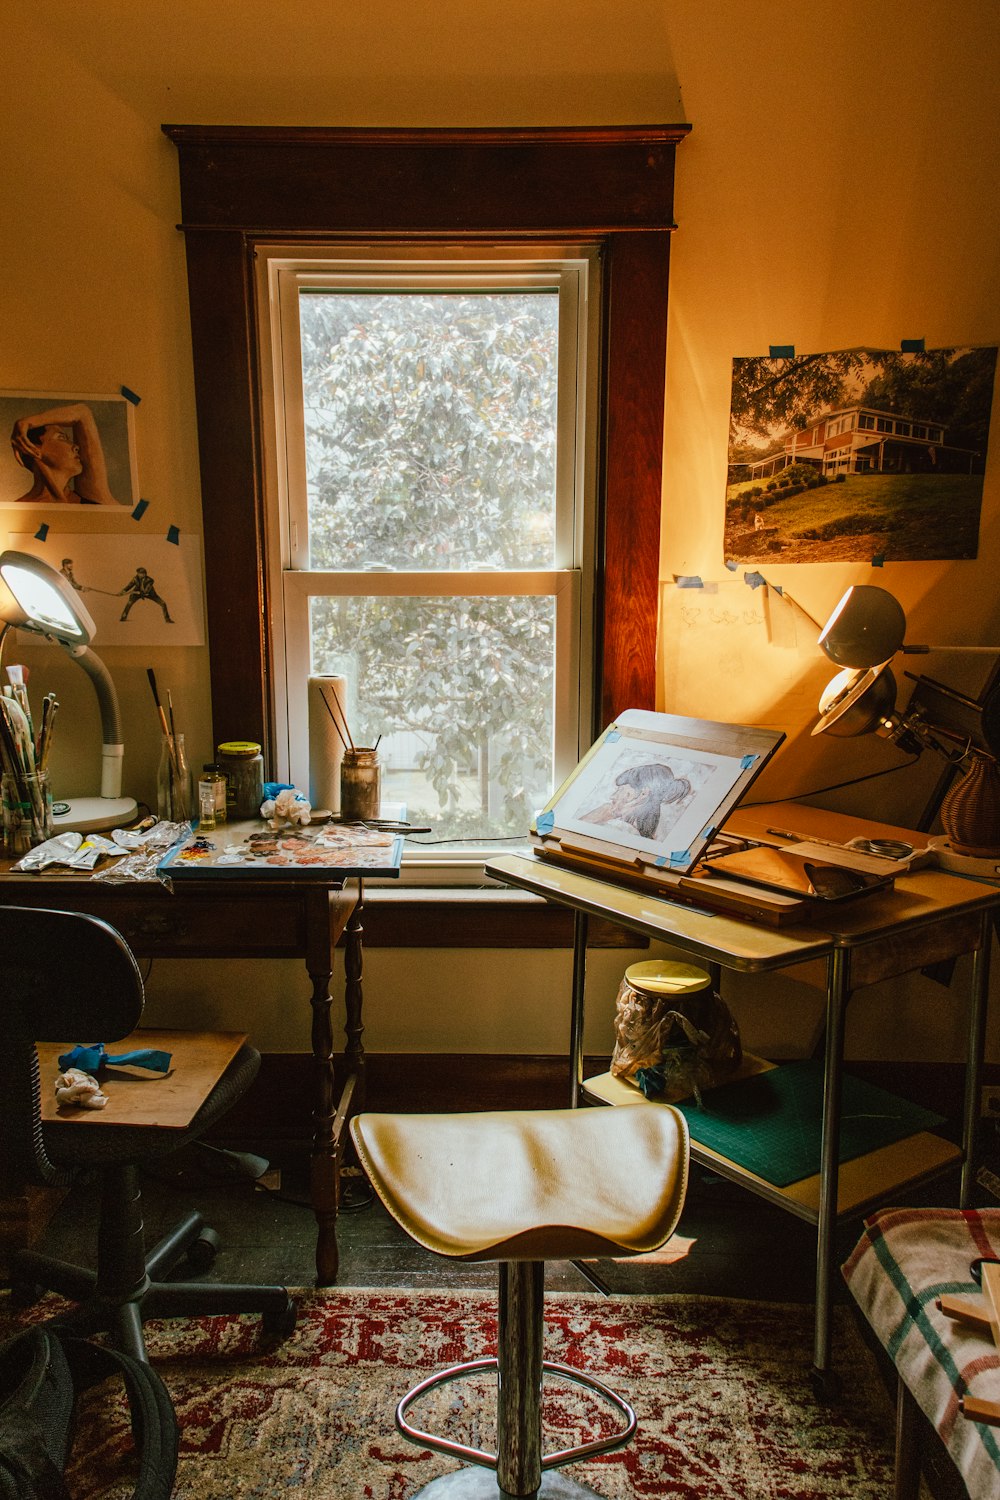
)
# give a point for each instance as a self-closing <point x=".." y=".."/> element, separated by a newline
<point x="989" y="1101"/>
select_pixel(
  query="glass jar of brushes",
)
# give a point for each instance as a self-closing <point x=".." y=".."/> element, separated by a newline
<point x="174" y="791"/>
<point x="27" y="811"/>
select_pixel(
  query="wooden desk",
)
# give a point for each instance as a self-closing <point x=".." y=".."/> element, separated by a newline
<point x="927" y="917"/>
<point x="305" y="917"/>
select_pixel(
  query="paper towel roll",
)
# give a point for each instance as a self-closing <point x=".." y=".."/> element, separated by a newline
<point x="326" y="749"/>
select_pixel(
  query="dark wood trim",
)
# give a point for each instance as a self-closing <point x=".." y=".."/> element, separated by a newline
<point x="243" y="186"/>
<point x="223" y="330"/>
<point x="473" y="1080"/>
<point x="433" y="918"/>
<point x="414" y="182"/>
<point x="635" y="357"/>
<point x="272" y="1109"/>
<point x="421" y="1082"/>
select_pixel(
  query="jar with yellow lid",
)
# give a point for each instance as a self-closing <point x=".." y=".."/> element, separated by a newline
<point x="241" y="763"/>
<point x="674" y="1035"/>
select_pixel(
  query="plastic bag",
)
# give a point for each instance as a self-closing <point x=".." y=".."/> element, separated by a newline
<point x="673" y="1046"/>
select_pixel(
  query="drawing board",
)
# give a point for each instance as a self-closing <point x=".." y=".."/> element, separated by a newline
<point x="653" y="791"/>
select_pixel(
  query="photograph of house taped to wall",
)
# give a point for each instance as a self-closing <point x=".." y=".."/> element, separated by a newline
<point x="859" y="455"/>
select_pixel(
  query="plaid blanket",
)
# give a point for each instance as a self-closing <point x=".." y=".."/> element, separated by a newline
<point x="905" y="1259"/>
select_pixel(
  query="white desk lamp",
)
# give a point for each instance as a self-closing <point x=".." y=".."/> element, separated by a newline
<point x="37" y="598"/>
<point x="862" y="636"/>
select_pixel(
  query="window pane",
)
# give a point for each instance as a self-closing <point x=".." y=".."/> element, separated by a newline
<point x="460" y="691"/>
<point x="430" y="428"/>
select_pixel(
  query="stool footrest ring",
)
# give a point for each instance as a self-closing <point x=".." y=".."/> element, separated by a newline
<point x="489" y="1460"/>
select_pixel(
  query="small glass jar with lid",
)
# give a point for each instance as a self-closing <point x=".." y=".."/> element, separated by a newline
<point x="242" y="764"/>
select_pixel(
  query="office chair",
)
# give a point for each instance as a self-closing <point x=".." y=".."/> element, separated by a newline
<point x="67" y="977"/>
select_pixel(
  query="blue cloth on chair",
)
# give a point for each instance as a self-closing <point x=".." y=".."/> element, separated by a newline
<point x="91" y="1059"/>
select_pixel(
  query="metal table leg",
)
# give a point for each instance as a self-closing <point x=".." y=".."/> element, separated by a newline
<point x="975" y="1047"/>
<point x="580" y="927"/>
<point x="837" y="995"/>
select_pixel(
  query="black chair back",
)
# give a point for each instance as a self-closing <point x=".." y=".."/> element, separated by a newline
<point x="64" y="977"/>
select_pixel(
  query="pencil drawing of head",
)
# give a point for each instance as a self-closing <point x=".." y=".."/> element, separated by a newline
<point x="641" y="792"/>
<point x="654" y="786"/>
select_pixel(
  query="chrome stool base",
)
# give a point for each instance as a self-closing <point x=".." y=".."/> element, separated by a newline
<point x="490" y="1460"/>
<point x="481" y="1484"/>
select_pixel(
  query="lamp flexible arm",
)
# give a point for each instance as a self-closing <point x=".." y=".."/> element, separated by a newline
<point x="112" y="749"/>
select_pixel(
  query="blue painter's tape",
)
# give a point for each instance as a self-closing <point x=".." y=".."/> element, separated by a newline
<point x="614" y="734"/>
<point x="681" y="857"/>
<point x="130" y="395"/>
<point x="732" y="566"/>
<point x="747" y="762"/>
<point x="754" y="579"/>
<point x="912" y="346"/>
<point x="545" y="822"/>
<point x="782" y="351"/>
<point x="660" y="860"/>
<point x="777" y="588"/>
<point x="706" y="833"/>
<point x="42" y="532"/>
<point x="174" y="535"/>
<point x="688" y="581"/>
<point x="878" y="560"/>
<point x="141" y="507"/>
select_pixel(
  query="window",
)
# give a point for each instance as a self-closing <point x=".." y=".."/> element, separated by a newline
<point x="433" y="480"/>
<point x="247" y="189"/>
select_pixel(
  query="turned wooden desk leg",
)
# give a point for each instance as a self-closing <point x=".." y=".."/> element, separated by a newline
<point x="354" y="1051"/>
<point x="324" y="1167"/>
<point x="330" y="1116"/>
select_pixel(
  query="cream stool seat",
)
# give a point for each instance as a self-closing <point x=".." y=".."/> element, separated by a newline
<point x="521" y="1187"/>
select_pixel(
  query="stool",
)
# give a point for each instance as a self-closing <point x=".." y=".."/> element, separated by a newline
<point x="523" y="1187"/>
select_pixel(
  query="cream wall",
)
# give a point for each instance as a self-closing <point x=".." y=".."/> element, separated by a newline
<point x="838" y="188"/>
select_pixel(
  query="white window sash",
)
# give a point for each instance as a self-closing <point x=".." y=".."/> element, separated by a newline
<point x="564" y="585"/>
<point x="282" y="272"/>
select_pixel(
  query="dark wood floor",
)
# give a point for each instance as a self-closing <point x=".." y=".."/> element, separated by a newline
<point x="733" y="1245"/>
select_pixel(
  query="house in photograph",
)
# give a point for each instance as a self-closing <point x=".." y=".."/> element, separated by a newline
<point x="865" y="440"/>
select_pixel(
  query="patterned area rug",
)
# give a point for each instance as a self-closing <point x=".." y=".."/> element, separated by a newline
<point x="720" y="1388"/>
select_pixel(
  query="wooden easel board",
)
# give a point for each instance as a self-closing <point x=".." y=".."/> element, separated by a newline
<point x="651" y="794"/>
<point x="137" y="1096"/>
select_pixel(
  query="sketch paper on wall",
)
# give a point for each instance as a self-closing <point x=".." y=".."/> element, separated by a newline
<point x="858" y="455"/>
<point x="67" y="450"/>
<point x="141" y="590"/>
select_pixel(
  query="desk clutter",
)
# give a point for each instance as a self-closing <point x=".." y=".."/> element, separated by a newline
<point x="24" y="755"/>
<point x="246" y="851"/>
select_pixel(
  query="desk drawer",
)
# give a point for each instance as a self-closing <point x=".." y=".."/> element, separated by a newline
<point x="195" y="927"/>
<point x="199" y="925"/>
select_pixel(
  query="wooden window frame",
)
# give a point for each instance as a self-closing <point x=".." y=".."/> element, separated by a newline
<point x="246" y="185"/>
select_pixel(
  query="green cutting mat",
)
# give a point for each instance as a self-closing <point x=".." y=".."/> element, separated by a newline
<point x="771" y="1123"/>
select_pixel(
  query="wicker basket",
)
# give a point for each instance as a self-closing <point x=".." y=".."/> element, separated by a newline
<point x="970" y="814"/>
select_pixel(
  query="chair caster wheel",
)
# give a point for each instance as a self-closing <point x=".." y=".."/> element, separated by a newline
<point x="278" y="1326"/>
<point x="202" y="1252"/>
<point x="25" y="1293"/>
<point x="826" y="1385"/>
